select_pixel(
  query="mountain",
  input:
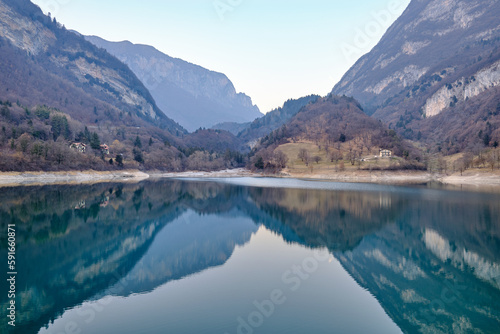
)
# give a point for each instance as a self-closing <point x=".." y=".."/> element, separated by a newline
<point x="56" y="89"/>
<point x="274" y="119"/>
<point x="190" y="94"/>
<point x="334" y="118"/>
<point x="66" y="104"/>
<point x="435" y="74"/>
<point x="333" y="124"/>
<point x="233" y="127"/>
<point x="213" y="140"/>
<point x="43" y="63"/>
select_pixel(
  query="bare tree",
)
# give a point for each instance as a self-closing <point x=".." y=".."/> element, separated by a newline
<point x="335" y="156"/>
<point x="481" y="159"/>
<point x="280" y="159"/>
<point x="304" y="156"/>
<point x="442" y="165"/>
<point x="358" y="155"/>
<point x="492" y="158"/>
<point x="360" y="143"/>
<point x="327" y="147"/>
<point x="460" y="165"/>
<point x="367" y="140"/>
<point x="341" y="166"/>
<point x="468" y="160"/>
<point x="307" y="159"/>
<point x="352" y="155"/>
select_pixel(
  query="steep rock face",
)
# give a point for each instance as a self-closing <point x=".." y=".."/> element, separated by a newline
<point x="438" y="56"/>
<point x="58" y="57"/>
<point x="430" y="33"/>
<point x="24" y="33"/>
<point x="462" y="90"/>
<point x="400" y="79"/>
<point x="190" y="94"/>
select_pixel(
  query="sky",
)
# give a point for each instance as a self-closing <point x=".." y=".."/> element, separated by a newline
<point x="272" y="50"/>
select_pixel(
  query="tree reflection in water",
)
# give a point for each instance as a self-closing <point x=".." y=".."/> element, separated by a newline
<point x="430" y="257"/>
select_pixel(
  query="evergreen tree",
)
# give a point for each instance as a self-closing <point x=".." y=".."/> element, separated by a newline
<point x="138" y="142"/>
<point x="259" y="164"/>
<point x="119" y="160"/>
<point x="138" y="155"/>
<point x="60" y="126"/>
<point x="87" y="136"/>
<point x="95" y="142"/>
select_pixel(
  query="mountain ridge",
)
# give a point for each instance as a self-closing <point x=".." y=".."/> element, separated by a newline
<point x="274" y="119"/>
<point x="437" y="58"/>
<point x="42" y="50"/>
<point x="194" y="96"/>
<point x="336" y="127"/>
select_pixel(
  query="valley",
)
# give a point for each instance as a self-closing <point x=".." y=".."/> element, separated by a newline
<point x="186" y="166"/>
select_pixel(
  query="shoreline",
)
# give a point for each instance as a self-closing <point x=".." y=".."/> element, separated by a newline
<point x="470" y="178"/>
<point x="15" y="179"/>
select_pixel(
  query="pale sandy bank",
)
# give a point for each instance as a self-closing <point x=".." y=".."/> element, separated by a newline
<point x="228" y="173"/>
<point x="73" y="177"/>
<point x="472" y="178"/>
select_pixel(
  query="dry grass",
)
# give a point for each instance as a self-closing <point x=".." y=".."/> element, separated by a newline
<point x="296" y="165"/>
<point x="451" y="159"/>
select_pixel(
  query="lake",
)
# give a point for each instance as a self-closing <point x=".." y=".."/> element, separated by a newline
<point x="252" y="256"/>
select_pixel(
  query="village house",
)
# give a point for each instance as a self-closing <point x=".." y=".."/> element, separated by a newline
<point x="385" y="153"/>
<point x="80" y="147"/>
<point x="105" y="149"/>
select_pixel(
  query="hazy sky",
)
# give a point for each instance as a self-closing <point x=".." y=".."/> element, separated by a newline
<point x="272" y="50"/>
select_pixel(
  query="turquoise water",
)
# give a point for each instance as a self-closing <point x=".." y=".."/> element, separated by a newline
<point x="253" y="256"/>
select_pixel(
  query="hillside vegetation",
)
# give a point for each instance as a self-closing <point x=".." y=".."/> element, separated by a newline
<point x="337" y="130"/>
<point x="434" y="76"/>
<point x="274" y="119"/>
<point x="45" y="64"/>
<point x="40" y="138"/>
<point x="61" y="98"/>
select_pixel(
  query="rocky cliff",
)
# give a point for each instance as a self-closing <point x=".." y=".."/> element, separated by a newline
<point x="48" y="64"/>
<point x="463" y="89"/>
<point x="438" y="57"/>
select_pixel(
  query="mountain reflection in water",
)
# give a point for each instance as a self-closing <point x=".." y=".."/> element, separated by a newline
<point x="430" y="257"/>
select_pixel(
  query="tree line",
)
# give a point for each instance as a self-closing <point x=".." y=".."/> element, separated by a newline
<point x="45" y="138"/>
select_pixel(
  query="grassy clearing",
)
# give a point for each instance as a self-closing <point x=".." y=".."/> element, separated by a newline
<point x="296" y="165"/>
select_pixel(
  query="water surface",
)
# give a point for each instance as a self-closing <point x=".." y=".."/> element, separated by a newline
<point x="253" y="256"/>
